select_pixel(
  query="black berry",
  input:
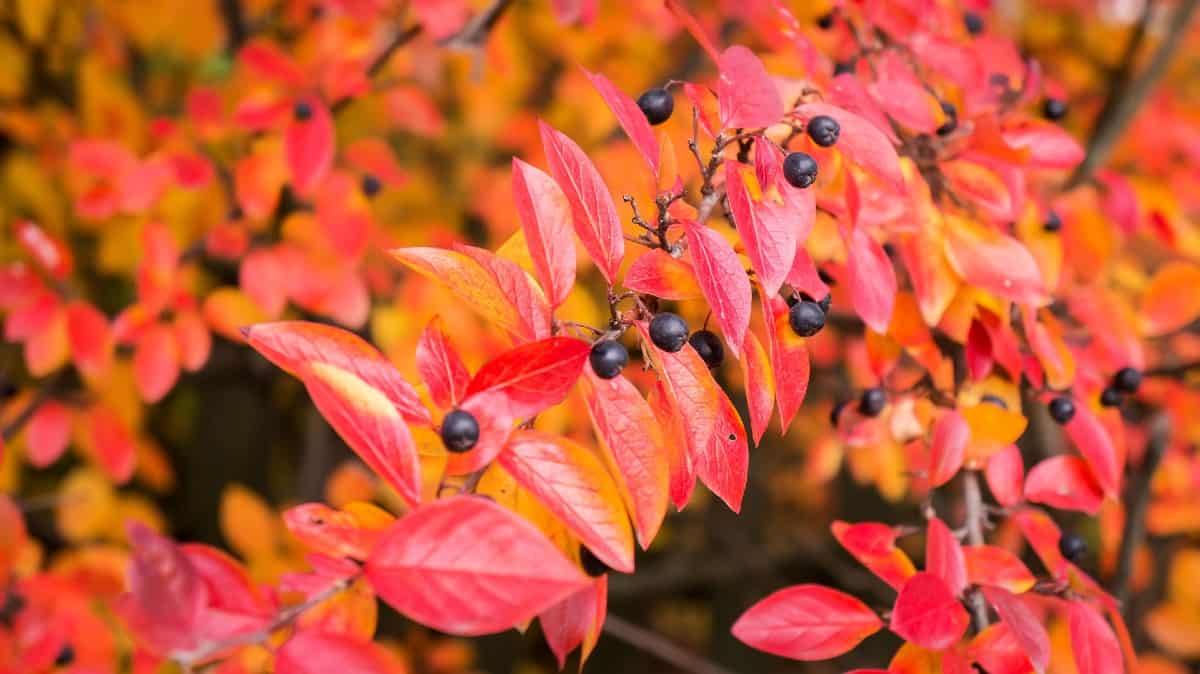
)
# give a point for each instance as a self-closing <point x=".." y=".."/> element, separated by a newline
<point x="824" y="130"/>
<point x="1054" y="109"/>
<point x="1072" y="546"/>
<point x="65" y="657"/>
<point x="668" y="331"/>
<point x="371" y="185"/>
<point x="7" y="389"/>
<point x="872" y="402"/>
<point x="1110" y="397"/>
<point x="657" y="105"/>
<point x="825" y="302"/>
<point x="709" y="346"/>
<point x="951" y="122"/>
<point x="1127" y="380"/>
<point x="800" y="169"/>
<point x="806" y="318"/>
<point x="460" y="431"/>
<point x="608" y="358"/>
<point x="1053" y="223"/>
<point x="973" y="22"/>
<point x="1062" y="409"/>
<point x="592" y="565"/>
<point x="302" y="111"/>
<point x="993" y="399"/>
<point x="836" y="412"/>
<point x="843" y="68"/>
<point x="825" y="22"/>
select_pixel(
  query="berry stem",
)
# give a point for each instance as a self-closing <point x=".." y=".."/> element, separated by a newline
<point x="976" y="517"/>
<point x="1137" y="500"/>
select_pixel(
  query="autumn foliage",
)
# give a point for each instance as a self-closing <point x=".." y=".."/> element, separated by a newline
<point x="545" y="268"/>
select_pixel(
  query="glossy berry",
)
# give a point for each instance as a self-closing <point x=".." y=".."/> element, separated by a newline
<point x="824" y="130"/>
<point x="872" y="402"/>
<point x="592" y="565"/>
<point x="800" y="169"/>
<point x="825" y="302"/>
<point x="825" y="21"/>
<point x="460" y="431"/>
<point x="994" y="400"/>
<point x="806" y="318"/>
<point x="951" y="122"/>
<point x="843" y="68"/>
<point x="668" y="331"/>
<point x="1072" y="546"/>
<point x="1054" y="109"/>
<point x="1127" y="380"/>
<point x="302" y="111"/>
<point x="973" y="23"/>
<point x="657" y="105"/>
<point x="1053" y="223"/>
<point x="709" y="346"/>
<point x="65" y="657"/>
<point x="371" y="185"/>
<point x="608" y="358"/>
<point x="1110" y="397"/>
<point x="1062" y="409"/>
<point x="836" y="412"/>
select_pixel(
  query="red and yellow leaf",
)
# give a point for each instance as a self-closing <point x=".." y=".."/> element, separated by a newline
<point x="807" y="622"/>
<point x="722" y="280"/>
<point x="546" y="221"/>
<point x="874" y="546"/>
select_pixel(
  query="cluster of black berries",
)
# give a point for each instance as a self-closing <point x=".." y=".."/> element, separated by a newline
<point x="1127" y="380"/>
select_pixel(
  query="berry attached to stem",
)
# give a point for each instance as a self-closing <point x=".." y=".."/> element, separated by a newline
<point x="872" y="402"/>
<point x="709" y="346"/>
<point x="668" y="331"/>
<point x="1062" y="409"/>
<point x="800" y="169"/>
<point x="657" y="105"/>
<point x="608" y="358"/>
<point x="1072" y="546"/>
<point x="460" y="431"/>
<point x="806" y="318"/>
<point x="824" y="130"/>
<point x="1127" y="380"/>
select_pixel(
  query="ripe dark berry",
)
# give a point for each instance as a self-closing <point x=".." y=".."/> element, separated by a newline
<point x="806" y="318"/>
<point x="460" y="431"/>
<point x="1127" y="380"/>
<point x="668" y="331"/>
<point x="302" y="111"/>
<point x="657" y="105"/>
<point x="836" y="412"/>
<point x="371" y="185"/>
<point x="1053" y="223"/>
<point x="973" y="22"/>
<point x="1110" y="397"/>
<point x="709" y="346"/>
<point x="951" y="122"/>
<point x="1072" y="546"/>
<point x="843" y="68"/>
<point x="825" y="302"/>
<point x="872" y="402"/>
<point x="608" y="358"/>
<point x="7" y="389"/>
<point x="824" y="130"/>
<point x="1054" y="109"/>
<point x="1062" y="409"/>
<point x="65" y="657"/>
<point x="993" y="399"/>
<point x="592" y="565"/>
<point x="825" y="21"/>
<point x="800" y="169"/>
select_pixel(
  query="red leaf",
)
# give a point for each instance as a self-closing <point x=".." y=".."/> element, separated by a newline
<point x="269" y="62"/>
<point x="440" y="366"/>
<point x="576" y="620"/>
<point x="48" y="433"/>
<point x="861" y="141"/>
<point x="807" y="622"/>
<point x="592" y="208"/>
<point x="697" y="31"/>
<point x="165" y="597"/>
<point x="768" y="228"/>
<point x="518" y="288"/>
<point x="723" y="281"/>
<point x="944" y="556"/>
<point x="748" y="97"/>
<point x="156" y="362"/>
<point x="789" y="357"/>
<point x="872" y="280"/>
<point x="111" y="444"/>
<point x="48" y="252"/>
<point x="1043" y="536"/>
<point x="978" y="351"/>
<point x="1025" y="626"/>
<point x="1064" y="482"/>
<point x="657" y="273"/>
<point x="316" y="652"/>
<point x="635" y="446"/>
<point x="948" y="447"/>
<point x="631" y="118"/>
<point x="993" y="261"/>
<point x="927" y="614"/>
<point x="805" y="277"/>
<point x="1092" y="640"/>
<point x="874" y="546"/>
<point x="1005" y="473"/>
<point x="263" y="275"/>
<point x="90" y="338"/>
<point x="759" y="384"/>
<point x="466" y="566"/>
<point x="682" y="474"/>
<point x="1094" y="443"/>
<point x="308" y="147"/>
<point x="546" y="220"/>
<point x="997" y="567"/>
<point x="332" y="532"/>
<point x="533" y="376"/>
<point x="1049" y="145"/>
<point x="573" y="484"/>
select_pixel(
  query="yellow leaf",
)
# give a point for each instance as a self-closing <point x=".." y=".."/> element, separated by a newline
<point x="992" y="429"/>
<point x="249" y="525"/>
<point x="87" y="504"/>
<point x="1171" y="301"/>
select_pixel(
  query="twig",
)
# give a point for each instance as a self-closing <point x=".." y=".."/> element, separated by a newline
<point x="473" y="33"/>
<point x="18" y="422"/>
<point x="709" y="204"/>
<point x="1124" y="101"/>
<point x="1180" y="370"/>
<point x="660" y="647"/>
<point x="189" y="659"/>
<point x="235" y="24"/>
<point x="976" y="516"/>
<point x="1137" y="500"/>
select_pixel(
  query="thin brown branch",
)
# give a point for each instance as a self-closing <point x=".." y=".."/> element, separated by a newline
<point x="660" y="647"/>
<point x="1137" y="500"/>
<point x="235" y="24"/>
<point x="474" y="32"/>
<point x="709" y="204"/>
<point x="976" y="518"/>
<point x="1124" y="101"/>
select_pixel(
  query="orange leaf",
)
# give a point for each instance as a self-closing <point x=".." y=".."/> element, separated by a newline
<point x="874" y="546"/>
<point x="1170" y="301"/>
<point x="990" y="565"/>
